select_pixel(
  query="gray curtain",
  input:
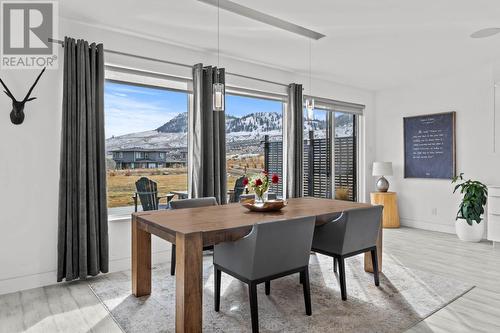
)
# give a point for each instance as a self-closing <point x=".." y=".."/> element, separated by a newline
<point x="82" y="247"/>
<point x="294" y="142"/>
<point x="207" y="138"/>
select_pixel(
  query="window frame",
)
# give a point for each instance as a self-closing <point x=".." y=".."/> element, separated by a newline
<point x="276" y="97"/>
<point x="357" y="110"/>
<point x="156" y="80"/>
<point x="146" y="79"/>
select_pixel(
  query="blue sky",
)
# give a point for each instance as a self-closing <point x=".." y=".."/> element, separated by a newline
<point x="132" y="108"/>
<point x="239" y="106"/>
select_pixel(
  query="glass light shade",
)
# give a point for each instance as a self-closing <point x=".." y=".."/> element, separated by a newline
<point x="310" y="108"/>
<point x="218" y="97"/>
<point x="382" y="169"/>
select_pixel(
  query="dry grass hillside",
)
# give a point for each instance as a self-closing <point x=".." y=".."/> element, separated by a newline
<point x="121" y="183"/>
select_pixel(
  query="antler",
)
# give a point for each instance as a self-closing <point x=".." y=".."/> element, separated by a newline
<point x="7" y="91"/>
<point x="33" y="86"/>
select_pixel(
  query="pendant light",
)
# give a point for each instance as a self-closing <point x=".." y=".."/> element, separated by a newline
<point x="218" y="92"/>
<point x="310" y="100"/>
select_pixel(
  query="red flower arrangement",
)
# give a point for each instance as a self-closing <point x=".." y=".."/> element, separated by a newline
<point x="260" y="183"/>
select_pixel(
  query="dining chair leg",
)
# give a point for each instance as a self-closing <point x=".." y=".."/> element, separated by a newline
<point x="375" y="266"/>
<point x="268" y="287"/>
<point x="172" y="261"/>
<point x="254" y="312"/>
<point x="217" y="289"/>
<point x="335" y="264"/>
<point x="307" y="291"/>
<point x="343" y="290"/>
<point x="301" y="278"/>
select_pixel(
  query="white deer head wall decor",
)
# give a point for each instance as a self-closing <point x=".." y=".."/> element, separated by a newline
<point x="17" y="113"/>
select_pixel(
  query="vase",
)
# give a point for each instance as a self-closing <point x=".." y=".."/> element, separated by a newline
<point x="260" y="198"/>
<point x="469" y="233"/>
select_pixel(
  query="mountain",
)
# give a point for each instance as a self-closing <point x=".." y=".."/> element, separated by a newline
<point x="255" y="122"/>
<point x="344" y="119"/>
<point x="147" y="140"/>
<point x="248" y="129"/>
<point x="178" y="124"/>
<point x="315" y="125"/>
<point x="258" y="121"/>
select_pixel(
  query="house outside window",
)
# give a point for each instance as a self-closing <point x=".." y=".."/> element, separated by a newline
<point x="145" y="133"/>
<point x="118" y="154"/>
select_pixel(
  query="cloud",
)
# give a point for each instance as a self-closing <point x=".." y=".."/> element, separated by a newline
<point x="140" y="108"/>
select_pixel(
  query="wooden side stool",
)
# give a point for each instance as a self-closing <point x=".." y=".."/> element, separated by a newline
<point x="390" y="215"/>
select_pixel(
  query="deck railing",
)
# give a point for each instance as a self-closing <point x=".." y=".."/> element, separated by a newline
<point x="317" y="170"/>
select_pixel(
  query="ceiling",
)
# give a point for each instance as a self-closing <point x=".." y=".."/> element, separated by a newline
<point x="368" y="44"/>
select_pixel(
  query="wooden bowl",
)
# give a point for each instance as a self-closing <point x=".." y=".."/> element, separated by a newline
<point x="268" y="206"/>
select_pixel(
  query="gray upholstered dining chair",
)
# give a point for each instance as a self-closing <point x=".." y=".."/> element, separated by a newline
<point x="189" y="203"/>
<point x="353" y="232"/>
<point x="270" y="251"/>
<point x="272" y="196"/>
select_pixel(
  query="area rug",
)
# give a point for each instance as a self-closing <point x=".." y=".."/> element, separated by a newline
<point x="404" y="297"/>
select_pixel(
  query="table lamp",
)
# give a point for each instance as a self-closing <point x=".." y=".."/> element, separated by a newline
<point x="382" y="169"/>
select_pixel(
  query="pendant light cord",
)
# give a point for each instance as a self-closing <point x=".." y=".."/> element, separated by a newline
<point x="310" y="84"/>
<point x="218" y="34"/>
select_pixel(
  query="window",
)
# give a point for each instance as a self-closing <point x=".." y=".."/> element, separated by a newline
<point x="253" y="129"/>
<point x="330" y="128"/>
<point x="147" y="125"/>
<point x="345" y="156"/>
<point x="317" y="154"/>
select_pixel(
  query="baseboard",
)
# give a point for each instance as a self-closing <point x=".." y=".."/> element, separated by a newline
<point x="123" y="264"/>
<point x="49" y="278"/>
<point x="27" y="282"/>
<point x="427" y="225"/>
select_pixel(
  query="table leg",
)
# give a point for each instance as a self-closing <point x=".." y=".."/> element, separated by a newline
<point x="368" y="257"/>
<point x="141" y="260"/>
<point x="188" y="286"/>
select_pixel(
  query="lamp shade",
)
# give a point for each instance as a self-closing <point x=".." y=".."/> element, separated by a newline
<point x="382" y="169"/>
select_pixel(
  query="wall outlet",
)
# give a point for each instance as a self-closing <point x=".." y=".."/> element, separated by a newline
<point x="434" y="211"/>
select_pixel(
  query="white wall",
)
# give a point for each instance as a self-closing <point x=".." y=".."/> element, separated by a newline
<point x="29" y="166"/>
<point x="429" y="204"/>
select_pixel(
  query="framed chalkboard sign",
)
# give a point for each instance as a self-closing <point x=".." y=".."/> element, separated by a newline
<point x="429" y="146"/>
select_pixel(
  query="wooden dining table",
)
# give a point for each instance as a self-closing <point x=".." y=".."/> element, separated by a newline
<point x="192" y="229"/>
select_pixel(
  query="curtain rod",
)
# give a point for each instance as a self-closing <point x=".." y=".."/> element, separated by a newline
<point x="58" y="41"/>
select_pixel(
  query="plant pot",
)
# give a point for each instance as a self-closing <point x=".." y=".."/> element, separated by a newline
<point x="469" y="233"/>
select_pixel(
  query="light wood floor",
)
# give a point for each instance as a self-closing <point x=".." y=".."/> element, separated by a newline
<point x="69" y="307"/>
<point x="443" y="254"/>
<point x="72" y="307"/>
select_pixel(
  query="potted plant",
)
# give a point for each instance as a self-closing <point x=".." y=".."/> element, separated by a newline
<point x="470" y="212"/>
<point x="260" y="184"/>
